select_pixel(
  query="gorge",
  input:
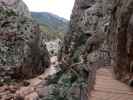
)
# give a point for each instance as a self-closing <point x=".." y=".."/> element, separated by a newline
<point x="99" y="36"/>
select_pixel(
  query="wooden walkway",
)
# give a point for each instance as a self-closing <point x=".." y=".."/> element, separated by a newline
<point x="107" y="88"/>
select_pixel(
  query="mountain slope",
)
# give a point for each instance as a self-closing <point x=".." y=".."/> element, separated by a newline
<point x="53" y="25"/>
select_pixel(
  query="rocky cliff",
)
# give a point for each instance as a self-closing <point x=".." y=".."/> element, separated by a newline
<point x="21" y="40"/>
<point x="89" y="26"/>
<point x="121" y="40"/>
<point x="100" y="35"/>
<point x="85" y="48"/>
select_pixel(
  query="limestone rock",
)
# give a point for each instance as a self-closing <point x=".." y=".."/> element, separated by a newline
<point x="100" y="34"/>
<point x="18" y="6"/>
<point x="89" y="22"/>
<point x="85" y="45"/>
<point x="53" y="47"/>
<point x="121" y="39"/>
<point x="21" y="42"/>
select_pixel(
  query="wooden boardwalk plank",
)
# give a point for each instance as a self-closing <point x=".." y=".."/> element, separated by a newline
<point x="107" y="88"/>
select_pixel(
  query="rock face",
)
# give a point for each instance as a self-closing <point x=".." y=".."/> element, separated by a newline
<point x="121" y="40"/>
<point x="85" y="48"/>
<point x="21" y="39"/>
<point x="88" y="27"/>
<point x="100" y="34"/>
<point x="53" y="47"/>
<point x="87" y="40"/>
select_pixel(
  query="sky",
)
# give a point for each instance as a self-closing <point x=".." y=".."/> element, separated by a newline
<point x="62" y="8"/>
